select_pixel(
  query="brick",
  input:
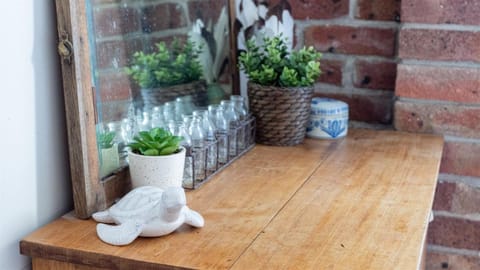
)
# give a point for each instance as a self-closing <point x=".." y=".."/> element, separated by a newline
<point x="454" y="232"/>
<point x="162" y="17"/>
<point x="116" y="21"/>
<point x="457" y="197"/>
<point x="461" y="158"/>
<point x="444" y="196"/>
<point x="351" y="40"/>
<point x="116" y="53"/>
<point x="446" y="119"/>
<point x="441" y="11"/>
<point x="365" y="108"/>
<point x="114" y="86"/>
<point x="380" y="10"/>
<point x="433" y="44"/>
<point x="316" y="9"/>
<point x="375" y="74"/>
<point x="331" y="71"/>
<point x="446" y="261"/>
<point x="439" y="83"/>
<point x="205" y="10"/>
<point x="319" y="9"/>
<point x="114" y="110"/>
<point x="466" y="200"/>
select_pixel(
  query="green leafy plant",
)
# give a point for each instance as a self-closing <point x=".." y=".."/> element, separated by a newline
<point x="272" y="64"/>
<point x="105" y="139"/>
<point x="169" y="65"/>
<point x="155" y="142"/>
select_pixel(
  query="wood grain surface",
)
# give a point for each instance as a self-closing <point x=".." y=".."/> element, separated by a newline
<point x="358" y="203"/>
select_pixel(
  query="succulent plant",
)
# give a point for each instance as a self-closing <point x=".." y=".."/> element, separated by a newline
<point x="169" y="65"/>
<point x="105" y="139"/>
<point x="272" y="64"/>
<point x="155" y="142"/>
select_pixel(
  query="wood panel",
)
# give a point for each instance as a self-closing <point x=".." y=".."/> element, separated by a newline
<point x="237" y="205"/>
<point x="88" y="196"/>
<point x="366" y="207"/>
<point x="43" y="264"/>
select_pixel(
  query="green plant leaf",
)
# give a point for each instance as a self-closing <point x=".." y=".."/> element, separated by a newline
<point x="168" y="150"/>
<point x="272" y="64"/>
<point x="168" y="65"/>
<point x="151" y="152"/>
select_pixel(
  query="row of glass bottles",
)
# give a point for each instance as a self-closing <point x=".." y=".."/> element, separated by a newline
<point x="212" y="137"/>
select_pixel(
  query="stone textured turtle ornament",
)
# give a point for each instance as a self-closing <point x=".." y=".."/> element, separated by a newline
<point x="145" y="211"/>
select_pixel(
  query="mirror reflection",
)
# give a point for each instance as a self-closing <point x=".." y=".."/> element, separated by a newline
<point x="155" y="62"/>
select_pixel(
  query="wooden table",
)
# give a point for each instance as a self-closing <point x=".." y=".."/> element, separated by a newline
<point x="362" y="202"/>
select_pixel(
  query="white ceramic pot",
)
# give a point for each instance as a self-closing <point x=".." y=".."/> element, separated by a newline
<point x="159" y="171"/>
<point x="328" y="119"/>
<point x="109" y="160"/>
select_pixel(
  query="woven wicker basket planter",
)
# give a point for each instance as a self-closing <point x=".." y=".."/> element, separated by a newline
<point x="281" y="113"/>
<point x="158" y="96"/>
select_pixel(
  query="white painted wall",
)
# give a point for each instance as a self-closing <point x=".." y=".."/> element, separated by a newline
<point x="34" y="176"/>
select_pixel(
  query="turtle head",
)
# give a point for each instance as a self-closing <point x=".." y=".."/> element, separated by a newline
<point x="174" y="199"/>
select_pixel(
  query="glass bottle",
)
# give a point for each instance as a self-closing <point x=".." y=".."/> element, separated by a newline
<point x="212" y="112"/>
<point x="243" y="129"/>
<point x="221" y="134"/>
<point x="145" y="123"/>
<point x="180" y="130"/>
<point x="157" y="117"/>
<point x="198" y="148"/>
<point x="210" y="140"/>
<point x="179" y="109"/>
<point x="232" y="118"/>
<point x="169" y="111"/>
<point x="129" y="125"/>
<point x="187" y="120"/>
<point x="188" y="104"/>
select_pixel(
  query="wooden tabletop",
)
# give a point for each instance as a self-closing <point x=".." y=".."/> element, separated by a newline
<point x="362" y="202"/>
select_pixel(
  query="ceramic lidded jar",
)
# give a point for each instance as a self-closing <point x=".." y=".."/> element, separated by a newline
<point x="328" y="119"/>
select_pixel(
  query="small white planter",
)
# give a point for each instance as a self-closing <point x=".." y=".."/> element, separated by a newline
<point x="159" y="171"/>
<point x="109" y="160"/>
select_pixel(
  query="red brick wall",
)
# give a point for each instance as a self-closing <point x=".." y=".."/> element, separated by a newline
<point x="358" y="39"/>
<point x="438" y="90"/>
<point x="413" y="65"/>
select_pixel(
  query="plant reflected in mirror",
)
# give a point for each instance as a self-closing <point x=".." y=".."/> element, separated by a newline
<point x="148" y="53"/>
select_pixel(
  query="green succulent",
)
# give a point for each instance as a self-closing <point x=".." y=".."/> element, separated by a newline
<point x="169" y="65"/>
<point x="272" y="63"/>
<point x="155" y="142"/>
<point x="105" y="139"/>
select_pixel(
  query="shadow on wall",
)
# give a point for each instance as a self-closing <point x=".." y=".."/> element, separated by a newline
<point x="54" y="192"/>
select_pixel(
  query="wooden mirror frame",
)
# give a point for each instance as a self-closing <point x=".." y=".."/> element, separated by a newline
<point x="90" y="193"/>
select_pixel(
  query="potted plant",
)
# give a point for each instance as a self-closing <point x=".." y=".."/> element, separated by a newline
<point x="168" y="72"/>
<point x="156" y="159"/>
<point x="280" y="89"/>
<point x="109" y="160"/>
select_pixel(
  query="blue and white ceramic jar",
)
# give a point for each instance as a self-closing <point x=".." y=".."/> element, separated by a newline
<point x="328" y="119"/>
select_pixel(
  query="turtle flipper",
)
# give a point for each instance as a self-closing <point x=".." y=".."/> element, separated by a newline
<point x="103" y="216"/>
<point x="193" y="218"/>
<point x="119" y="235"/>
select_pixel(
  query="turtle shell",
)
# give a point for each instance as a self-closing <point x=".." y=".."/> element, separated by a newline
<point x="140" y="204"/>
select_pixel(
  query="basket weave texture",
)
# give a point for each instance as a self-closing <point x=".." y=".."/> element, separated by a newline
<point x="282" y="113"/>
<point x="158" y="96"/>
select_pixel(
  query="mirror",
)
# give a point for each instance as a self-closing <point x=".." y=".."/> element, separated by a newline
<point x="122" y="61"/>
<point x="148" y="53"/>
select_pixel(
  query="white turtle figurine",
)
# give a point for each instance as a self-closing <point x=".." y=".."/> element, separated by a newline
<point x="145" y="211"/>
